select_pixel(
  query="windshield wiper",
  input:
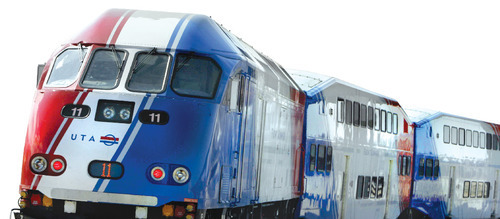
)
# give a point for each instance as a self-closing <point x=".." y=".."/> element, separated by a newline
<point x="117" y="58"/>
<point x="82" y="53"/>
<point x="141" y="63"/>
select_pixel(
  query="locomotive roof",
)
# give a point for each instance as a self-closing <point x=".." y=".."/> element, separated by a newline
<point x="422" y="116"/>
<point x="160" y="30"/>
<point x="313" y="83"/>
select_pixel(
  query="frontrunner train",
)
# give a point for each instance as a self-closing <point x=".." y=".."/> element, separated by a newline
<point x="167" y="115"/>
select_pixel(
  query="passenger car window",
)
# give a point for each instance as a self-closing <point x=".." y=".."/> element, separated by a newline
<point x="428" y="167"/>
<point x="149" y="72"/>
<point x="446" y="134"/>
<point x="321" y="157"/>
<point x="104" y="69"/>
<point x="66" y="68"/>
<point x="312" y="158"/>
<point x="195" y="76"/>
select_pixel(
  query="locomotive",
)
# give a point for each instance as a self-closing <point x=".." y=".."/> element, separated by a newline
<point x="152" y="114"/>
<point x="168" y="115"/>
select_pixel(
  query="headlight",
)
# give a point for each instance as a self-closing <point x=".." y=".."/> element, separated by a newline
<point x="180" y="175"/>
<point x="39" y="164"/>
<point x="114" y="111"/>
<point x="109" y="112"/>
<point x="125" y="114"/>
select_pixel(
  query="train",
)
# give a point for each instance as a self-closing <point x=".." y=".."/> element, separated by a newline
<point x="151" y="114"/>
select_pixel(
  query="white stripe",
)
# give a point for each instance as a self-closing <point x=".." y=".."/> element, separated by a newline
<point x="33" y="183"/>
<point x="129" y="142"/>
<point x="181" y="31"/>
<point x="116" y="27"/>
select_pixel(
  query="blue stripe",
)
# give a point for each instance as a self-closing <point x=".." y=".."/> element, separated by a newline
<point x="125" y="138"/>
<point x="174" y="34"/>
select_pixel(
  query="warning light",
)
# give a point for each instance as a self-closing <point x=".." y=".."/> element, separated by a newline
<point x="36" y="200"/>
<point x="158" y="173"/>
<point x="168" y="210"/>
<point x="57" y="165"/>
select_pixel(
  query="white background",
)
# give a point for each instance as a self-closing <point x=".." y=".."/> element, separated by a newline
<point x="440" y="55"/>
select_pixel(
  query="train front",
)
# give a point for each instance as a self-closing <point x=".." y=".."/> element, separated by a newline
<point x="124" y="116"/>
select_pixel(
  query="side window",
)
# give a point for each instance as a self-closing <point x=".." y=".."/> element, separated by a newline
<point x="446" y="134"/>
<point x="421" y="167"/>
<point x="340" y="110"/>
<point x="356" y="114"/>
<point x="312" y="158"/>
<point x="321" y="157"/>
<point x="480" y="189"/>
<point x="482" y="140"/>
<point x="366" y="189"/>
<point x="495" y="142"/>
<point x="362" y="115"/>
<point x="389" y="122"/>
<point x="408" y="166"/>
<point x="195" y="76"/>
<point x="488" y="141"/>
<point x="461" y="137"/>
<point x="383" y="120"/>
<point x="373" y="187"/>
<point x="466" y="189"/>
<point x="400" y="165"/>
<point x="370" y="117"/>
<point x="66" y="68"/>
<point x="468" y="138"/>
<point x="380" y="189"/>
<point x="428" y="167"/>
<point x="403" y="167"/>
<point x="359" y="188"/>
<point x="348" y="112"/>
<point x="329" y="153"/>
<point x="377" y="119"/>
<point x="486" y="189"/>
<point x="473" y="189"/>
<point x="454" y="135"/>
<point x="475" y="139"/>
<point x="436" y="168"/>
<point x="395" y="123"/>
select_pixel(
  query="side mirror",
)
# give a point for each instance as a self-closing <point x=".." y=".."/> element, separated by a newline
<point x="40" y="71"/>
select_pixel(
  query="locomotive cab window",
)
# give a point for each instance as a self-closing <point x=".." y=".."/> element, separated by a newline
<point x="66" y="68"/>
<point x="149" y="72"/>
<point x="195" y="76"/>
<point x="104" y="69"/>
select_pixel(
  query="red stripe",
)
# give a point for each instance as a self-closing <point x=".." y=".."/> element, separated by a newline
<point x="100" y="31"/>
<point x="110" y="138"/>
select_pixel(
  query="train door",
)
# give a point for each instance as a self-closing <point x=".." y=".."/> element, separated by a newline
<point x="388" y="193"/>
<point x="345" y="180"/>
<point x="259" y="141"/>
<point x="495" y="193"/>
<point x="451" y="189"/>
<point x="243" y="136"/>
<point x="231" y="176"/>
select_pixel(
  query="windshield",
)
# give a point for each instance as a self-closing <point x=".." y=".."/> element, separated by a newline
<point x="66" y="68"/>
<point x="195" y="76"/>
<point x="149" y="72"/>
<point x="104" y="69"/>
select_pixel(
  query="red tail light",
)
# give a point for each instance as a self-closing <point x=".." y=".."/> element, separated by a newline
<point x="157" y="173"/>
<point x="57" y="165"/>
